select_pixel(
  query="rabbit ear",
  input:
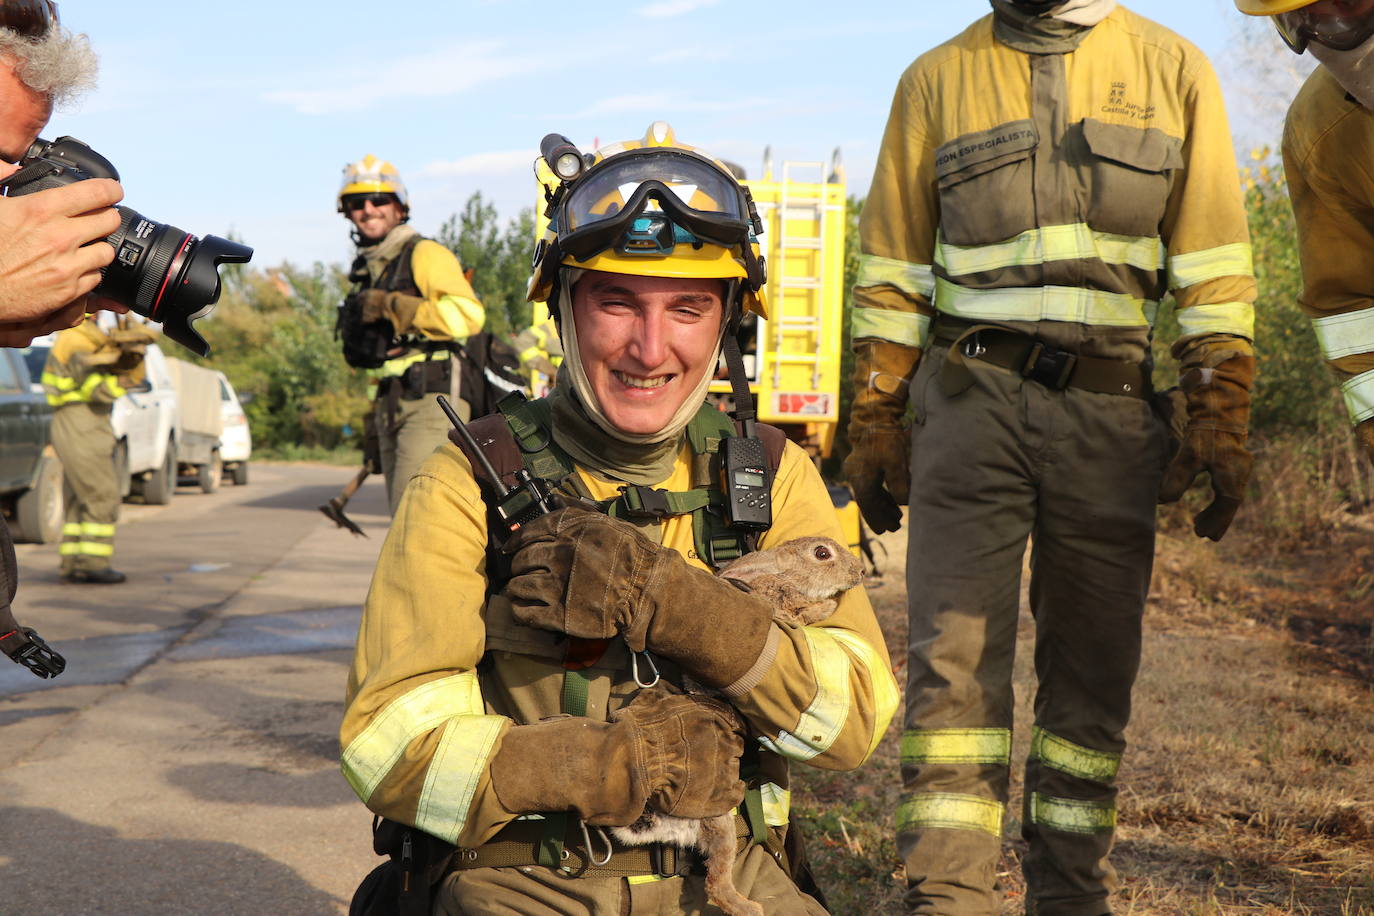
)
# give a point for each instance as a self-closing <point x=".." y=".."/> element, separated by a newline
<point x="738" y="583"/>
<point x="751" y="566"/>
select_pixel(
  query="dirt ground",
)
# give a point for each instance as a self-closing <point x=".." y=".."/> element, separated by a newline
<point x="1248" y="786"/>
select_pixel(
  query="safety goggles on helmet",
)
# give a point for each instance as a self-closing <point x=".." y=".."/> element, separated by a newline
<point x="648" y="201"/>
<point x="30" y="18"/>
<point x="1341" y="25"/>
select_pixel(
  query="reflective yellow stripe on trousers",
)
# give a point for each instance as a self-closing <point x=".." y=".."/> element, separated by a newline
<point x="1359" y="396"/>
<point x="957" y="746"/>
<point x="457" y="763"/>
<point x="1348" y="334"/>
<point x="1074" y="759"/>
<point x="1071" y="815"/>
<point x="950" y="810"/>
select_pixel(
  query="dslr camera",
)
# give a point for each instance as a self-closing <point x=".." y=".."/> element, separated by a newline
<point x="161" y="272"/>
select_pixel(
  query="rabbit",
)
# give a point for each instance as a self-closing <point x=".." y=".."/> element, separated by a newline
<point x="803" y="580"/>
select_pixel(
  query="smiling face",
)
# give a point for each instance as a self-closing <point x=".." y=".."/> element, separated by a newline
<point x="372" y="220"/>
<point x="645" y="343"/>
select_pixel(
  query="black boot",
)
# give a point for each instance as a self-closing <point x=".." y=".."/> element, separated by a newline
<point x="106" y="576"/>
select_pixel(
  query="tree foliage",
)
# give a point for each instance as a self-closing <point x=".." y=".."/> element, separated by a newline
<point x="499" y="257"/>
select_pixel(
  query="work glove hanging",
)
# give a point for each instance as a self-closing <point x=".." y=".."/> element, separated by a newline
<point x="676" y="753"/>
<point x="878" y="467"/>
<point x="583" y="573"/>
<point x="398" y="308"/>
<point x="1216" y="379"/>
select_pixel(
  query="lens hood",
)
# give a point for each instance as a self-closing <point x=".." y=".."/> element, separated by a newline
<point x="194" y="288"/>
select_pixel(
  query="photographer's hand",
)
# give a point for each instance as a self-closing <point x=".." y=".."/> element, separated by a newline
<point x="47" y="264"/>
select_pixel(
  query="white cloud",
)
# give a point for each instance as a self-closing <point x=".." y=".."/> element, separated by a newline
<point x="494" y="163"/>
<point x="666" y="9"/>
<point x="439" y="73"/>
<point x="697" y="55"/>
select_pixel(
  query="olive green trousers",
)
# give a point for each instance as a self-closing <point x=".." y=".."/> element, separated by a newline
<point x="407" y="439"/>
<point x="84" y="442"/>
<point x="995" y="465"/>
<point x="538" y="891"/>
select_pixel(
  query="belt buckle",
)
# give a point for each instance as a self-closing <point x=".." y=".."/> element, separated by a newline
<point x="659" y="858"/>
<point x="972" y="347"/>
<point x="1049" y="367"/>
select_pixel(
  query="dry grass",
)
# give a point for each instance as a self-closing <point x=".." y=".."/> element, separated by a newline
<point x="1248" y="787"/>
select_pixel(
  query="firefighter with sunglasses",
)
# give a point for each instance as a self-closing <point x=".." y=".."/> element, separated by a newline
<point x="1328" y="146"/>
<point x="515" y="694"/>
<point x="410" y="306"/>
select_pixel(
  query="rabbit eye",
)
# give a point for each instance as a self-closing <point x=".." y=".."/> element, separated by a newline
<point x="822" y="553"/>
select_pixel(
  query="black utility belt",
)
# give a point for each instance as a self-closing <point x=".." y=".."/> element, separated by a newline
<point x="1046" y="365"/>
<point x="420" y="378"/>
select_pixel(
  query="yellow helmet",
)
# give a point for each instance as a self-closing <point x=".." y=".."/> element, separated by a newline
<point x="1269" y="7"/>
<point x="370" y="175"/>
<point x="649" y="207"/>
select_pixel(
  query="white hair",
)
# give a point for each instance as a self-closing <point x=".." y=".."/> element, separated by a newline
<point x="60" y="65"/>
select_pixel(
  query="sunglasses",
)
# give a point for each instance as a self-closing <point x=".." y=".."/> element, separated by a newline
<point x="354" y="203"/>
<point x="30" y="18"/>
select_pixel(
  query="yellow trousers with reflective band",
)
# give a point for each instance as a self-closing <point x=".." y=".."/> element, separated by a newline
<point x="84" y="442"/>
<point x="1075" y="473"/>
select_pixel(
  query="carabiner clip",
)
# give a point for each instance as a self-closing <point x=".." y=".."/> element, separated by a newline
<point x="634" y="667"/>
<point x="587" y="844"/>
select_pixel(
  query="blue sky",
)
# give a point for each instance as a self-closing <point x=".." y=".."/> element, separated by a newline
<point x="240" y="116"/>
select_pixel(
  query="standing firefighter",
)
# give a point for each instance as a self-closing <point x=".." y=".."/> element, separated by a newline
<point x="1327" y="142"/>
<point x="505" y="700"/>
<point x="88" y="370"/>
<point x="410" y="307"/>
<point x="1046" y="177"/>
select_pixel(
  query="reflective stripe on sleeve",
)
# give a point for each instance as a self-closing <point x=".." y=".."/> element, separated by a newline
<point x="1359" y="396"/>
<point x="1217" y="318"/>
<point x="912" y="279"/>
<point x="957" y="745"/>
<point x="1234" y="260"/>
<point x="453" y="775"/>
<point x="371" y="755"/>
<point x="1346" y="334"/>
<point x="1043" y="303"/>
<point x="777" y="804"/>
<point x="951" y="810"/>
<point x="1074" y="241"/>
<point x="1074" y="759"/>
<point x="1071" y="815"/>
<point x="461" y="315"/>
<point x="907" y="328"/>
<point x="821" y="722"/>
<point x="885" y="695"/>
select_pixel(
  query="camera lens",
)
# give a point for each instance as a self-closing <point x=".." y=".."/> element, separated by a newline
<point x="167" y="274"/>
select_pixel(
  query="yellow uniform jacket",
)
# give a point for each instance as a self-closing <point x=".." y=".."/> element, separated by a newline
<point x="1059" y="194"/>
<point x="1328" y="149"/>
<point x="81" y="368"/>
<point x="441" y="673"/>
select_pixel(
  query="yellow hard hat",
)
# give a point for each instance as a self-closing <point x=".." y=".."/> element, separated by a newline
<point x="370" y="175"/>
<point x="1270" y="7"/>
<point x="650" y="207"/>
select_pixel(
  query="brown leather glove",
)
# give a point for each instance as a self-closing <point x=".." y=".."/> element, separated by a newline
<point x="679" y="754"/>
<point x="581" y="572"/>
<point x="133" y="377"/>
<point x="398" y="308"/>
<point x="1216" y="378"/>
<point x="1364" y="434"/>
<point x="878" y="467"/>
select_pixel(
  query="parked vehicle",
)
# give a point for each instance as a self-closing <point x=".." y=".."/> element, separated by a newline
<point x="236" y="441"/>
<point x="144" y="422"/>
<point x="200" y="423"/>
<point x="30" y="472"/>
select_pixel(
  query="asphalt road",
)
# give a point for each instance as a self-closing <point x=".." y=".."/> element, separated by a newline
<point x="187" y="760"/>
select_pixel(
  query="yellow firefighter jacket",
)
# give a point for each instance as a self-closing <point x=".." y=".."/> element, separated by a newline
<point x="1060" y="194"/>
<point x="424" y="720"/>
<point x="81" y="367"/>
<point x="1328" y="149"/>
<point x="451" y="310"/>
